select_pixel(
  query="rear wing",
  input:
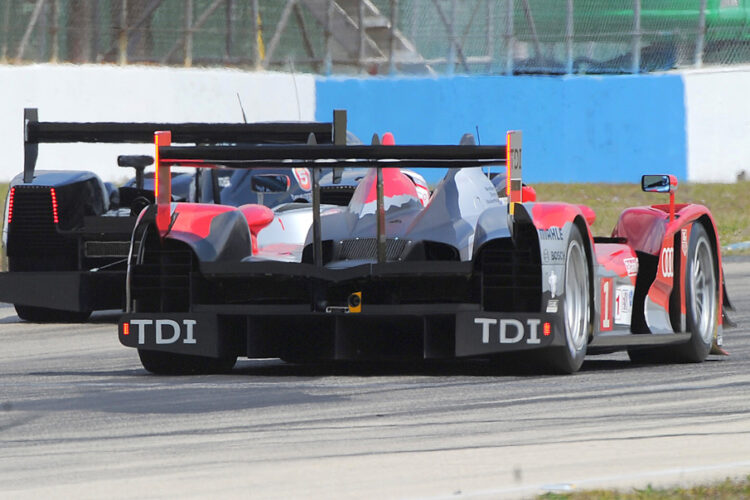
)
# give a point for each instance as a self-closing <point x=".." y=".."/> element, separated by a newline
<point x="37" y="132"/>
<point x="320" y="156"/>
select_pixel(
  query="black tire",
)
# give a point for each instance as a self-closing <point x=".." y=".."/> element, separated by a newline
<point x="167" y="363"/>
<point x="701" y="303"/>
<point x="45" y="315"/>
<point x="701" y="298"/>
<point x="576" y="310"/>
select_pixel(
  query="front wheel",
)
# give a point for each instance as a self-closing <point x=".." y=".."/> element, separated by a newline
<point x="701" y="304"/>
<point x="576" y="310"/>
<point x="168" y="363"/>
<point x="701" y="298"/>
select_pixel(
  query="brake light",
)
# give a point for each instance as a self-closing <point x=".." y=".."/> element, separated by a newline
<point x="10" y="204"/>
<point x="547" y="329"/>
<point x="126" y="328"/>
<point x="53" y="195"/>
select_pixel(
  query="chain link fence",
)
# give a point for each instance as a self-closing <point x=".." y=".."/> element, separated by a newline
<point x="382" y="36"/>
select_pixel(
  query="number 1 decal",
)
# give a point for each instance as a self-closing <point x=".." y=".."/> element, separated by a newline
<point x="606" y="309"/>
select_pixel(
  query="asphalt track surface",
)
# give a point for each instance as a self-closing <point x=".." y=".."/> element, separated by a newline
<point x="79" y="418"/>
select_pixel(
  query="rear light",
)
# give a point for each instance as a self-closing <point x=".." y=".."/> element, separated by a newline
<point x="547" y="329"/>
<point x="54" y="205"/>
<point x="10" y="204"/>
<point x="126" y="328"/>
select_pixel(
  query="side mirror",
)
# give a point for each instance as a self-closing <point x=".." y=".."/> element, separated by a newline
<point x="659" y="183"/>
<point x="270" y="183"/>
<point x="139" y="163"/>
<point x="135" y="161"/>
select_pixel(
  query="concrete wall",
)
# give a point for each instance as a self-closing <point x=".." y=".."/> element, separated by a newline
<point x="110" y="93"/>
<point x="575" y="129"/>
<point x="611" y="128"/>
<point x="718" y="123"/>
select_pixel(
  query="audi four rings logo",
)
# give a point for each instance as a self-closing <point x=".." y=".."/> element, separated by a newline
<point x="667" y="262"/>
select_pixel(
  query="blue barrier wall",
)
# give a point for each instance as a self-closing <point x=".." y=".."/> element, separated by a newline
<point x="576" y="129"/>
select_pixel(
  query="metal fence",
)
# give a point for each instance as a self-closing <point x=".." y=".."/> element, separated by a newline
<point x="382" y="36"/>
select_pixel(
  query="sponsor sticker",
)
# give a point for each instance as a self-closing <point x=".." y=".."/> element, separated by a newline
<point x="552" y="282"/>
<point x="179" y="333"/>
<point x="631" y="265"/>
<point x="624" y="304"/>
<point x="606" y="309"/>
<point x="509" y="331"/>
<point x="553" y="256"/>
<point x="553" y="233"/>
<point x="489" y="332"/>
<point x="666" y="262"/>
<point x="303" y="178"/>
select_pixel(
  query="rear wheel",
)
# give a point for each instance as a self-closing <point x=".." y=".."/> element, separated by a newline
<point x="45" y="315"/>
<point x="576" y="310"/>
<point x="168" y="363"/>
<point x="159" y="262"/>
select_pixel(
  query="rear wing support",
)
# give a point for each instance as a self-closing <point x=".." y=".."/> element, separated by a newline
<point x="162" y="184"/>
<point x="30" y="149"/>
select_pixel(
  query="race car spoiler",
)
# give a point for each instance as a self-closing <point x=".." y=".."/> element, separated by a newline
<point x="316" y="156"/>
<point x="36" y="132"/>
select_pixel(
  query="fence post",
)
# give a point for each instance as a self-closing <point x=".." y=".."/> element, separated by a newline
<point x="636" y="68"/>
<point x="188" y="33"/>
<point x="490" y="40"/>
<point x="700" y="42"/>
<point x="254" y="33"/>
<point x="54" y="31"/>
<point x="361" y="25"/>
<point x="392" y="38"/>
<point x="569" y="36"/>
<point x="6" y="31"/>
<point x="228" y="36"/>
<point x="122" y="37"/>
<point x="450" y="67"/>
<point x="327" y="62"/>
<point x="509" y="37"/>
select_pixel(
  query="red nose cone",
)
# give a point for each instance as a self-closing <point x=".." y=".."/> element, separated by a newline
<point x="388" y="139"/>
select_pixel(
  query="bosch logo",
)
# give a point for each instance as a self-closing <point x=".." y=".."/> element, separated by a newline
<point x="165" y="331"/>
<point x="667" y="262"/>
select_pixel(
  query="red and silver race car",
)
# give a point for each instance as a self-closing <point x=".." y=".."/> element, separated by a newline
<point x="388" y="278"/>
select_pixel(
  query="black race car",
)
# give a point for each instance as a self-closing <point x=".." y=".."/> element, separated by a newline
<point x="67" y="233"/>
